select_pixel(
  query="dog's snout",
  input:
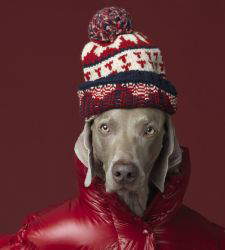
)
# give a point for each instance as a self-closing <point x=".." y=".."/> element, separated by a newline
<point x="124" y="173"/>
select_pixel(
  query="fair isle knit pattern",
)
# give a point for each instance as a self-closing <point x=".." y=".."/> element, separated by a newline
<point x="127" y="72"/>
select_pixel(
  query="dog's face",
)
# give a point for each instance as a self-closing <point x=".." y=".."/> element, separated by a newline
<point x="126" y="144"/>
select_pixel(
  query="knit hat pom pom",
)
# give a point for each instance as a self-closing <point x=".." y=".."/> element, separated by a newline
<point x="108" y="23"/>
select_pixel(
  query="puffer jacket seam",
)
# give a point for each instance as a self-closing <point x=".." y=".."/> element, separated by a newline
<point x="110" y="214"/>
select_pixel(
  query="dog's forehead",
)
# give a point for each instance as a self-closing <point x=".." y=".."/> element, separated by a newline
<point x="135" y="114"/>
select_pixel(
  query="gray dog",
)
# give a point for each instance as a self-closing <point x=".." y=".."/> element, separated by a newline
<point x="128" y="148"/>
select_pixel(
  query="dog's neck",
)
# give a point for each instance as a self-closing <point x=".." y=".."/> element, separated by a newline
<point x="136" y="201"/>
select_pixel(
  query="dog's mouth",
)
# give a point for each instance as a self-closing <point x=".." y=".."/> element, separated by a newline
<point x="121" y="188"/>
<point x="124" y="188"/>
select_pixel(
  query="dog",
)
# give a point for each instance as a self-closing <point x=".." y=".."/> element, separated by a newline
<point x="129" y="149"/>
<point x="134" y="152"/>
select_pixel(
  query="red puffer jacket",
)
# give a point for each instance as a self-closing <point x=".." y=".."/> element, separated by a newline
<point x="99" y="220"/>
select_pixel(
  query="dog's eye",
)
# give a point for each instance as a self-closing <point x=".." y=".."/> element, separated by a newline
<point x="104" y="128"/>
<point x="150" y="130"/>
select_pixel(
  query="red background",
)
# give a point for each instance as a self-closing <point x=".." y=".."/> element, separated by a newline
<point x="41" y="43"/>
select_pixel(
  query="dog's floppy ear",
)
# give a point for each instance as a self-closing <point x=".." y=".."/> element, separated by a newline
<point x="169" y="157"/>
<point x="83" y="149"/>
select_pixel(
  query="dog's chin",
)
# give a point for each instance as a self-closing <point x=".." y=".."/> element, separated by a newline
<point x="134" y="196"/>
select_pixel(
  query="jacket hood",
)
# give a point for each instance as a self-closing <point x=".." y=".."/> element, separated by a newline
<point x="160" y="209"/>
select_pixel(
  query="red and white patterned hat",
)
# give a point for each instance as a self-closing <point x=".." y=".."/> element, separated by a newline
<point x="122" y="69"/>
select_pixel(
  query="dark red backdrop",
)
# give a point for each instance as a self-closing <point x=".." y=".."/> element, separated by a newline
<point x="41" y="42"/>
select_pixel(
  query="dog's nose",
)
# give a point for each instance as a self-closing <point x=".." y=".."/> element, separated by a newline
<point x="124" y="173"/>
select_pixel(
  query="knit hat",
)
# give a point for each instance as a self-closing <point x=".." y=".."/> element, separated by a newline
<point x="122" y="68"/>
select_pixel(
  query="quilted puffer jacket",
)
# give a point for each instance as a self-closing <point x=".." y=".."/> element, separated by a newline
<point x="99" y="220"/>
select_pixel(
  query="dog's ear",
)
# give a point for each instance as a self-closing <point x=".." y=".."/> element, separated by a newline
<point x="169" y="157"/>
<point x="83" y="149"/>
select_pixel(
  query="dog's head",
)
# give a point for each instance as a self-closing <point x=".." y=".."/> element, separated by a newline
<point x="127" y="147"/>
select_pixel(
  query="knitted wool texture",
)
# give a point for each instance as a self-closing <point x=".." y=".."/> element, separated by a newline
<point x="122" y="69"/>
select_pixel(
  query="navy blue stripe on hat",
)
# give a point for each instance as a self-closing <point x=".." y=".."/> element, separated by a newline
<point x="132" y="76"/>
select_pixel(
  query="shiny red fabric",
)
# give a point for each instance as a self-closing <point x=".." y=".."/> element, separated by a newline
<point x="99" y="220"/>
